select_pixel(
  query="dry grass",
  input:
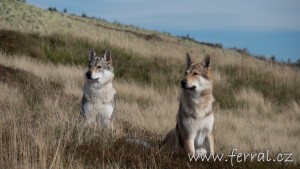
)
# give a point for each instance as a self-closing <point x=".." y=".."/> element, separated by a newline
<point x="257" y="103"/>
<point x="44" y="132"/>
<point x="257" y="126"/>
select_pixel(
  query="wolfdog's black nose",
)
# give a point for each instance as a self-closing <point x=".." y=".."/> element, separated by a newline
<point x="183" y="83"/>
<point x="88" y="74"/>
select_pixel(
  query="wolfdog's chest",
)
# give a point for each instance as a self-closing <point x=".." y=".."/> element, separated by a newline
<point x="105" y="110"/>
<point x="195" y="120"/>
<point x="192" y="125"/>
<point x="99" y="101"/>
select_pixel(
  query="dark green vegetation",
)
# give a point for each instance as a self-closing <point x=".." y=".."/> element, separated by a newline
<point x="65" y="49"/>
<point x="264" y="81"/>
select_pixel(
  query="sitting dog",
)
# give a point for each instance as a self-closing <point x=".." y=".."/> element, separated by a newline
<point x="98" y="101"/>
<point x="195" y="118"/>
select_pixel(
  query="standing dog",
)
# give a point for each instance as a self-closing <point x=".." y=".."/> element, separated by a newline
<point x="195" y="118"/>
<point x="98" y="101"/>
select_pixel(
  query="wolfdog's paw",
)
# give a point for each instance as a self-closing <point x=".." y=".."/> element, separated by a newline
<point x="201" y="151"/>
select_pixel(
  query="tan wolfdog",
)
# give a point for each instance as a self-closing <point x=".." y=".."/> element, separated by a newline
<point x="98" y="101"/>
<point x="195" y="118"/>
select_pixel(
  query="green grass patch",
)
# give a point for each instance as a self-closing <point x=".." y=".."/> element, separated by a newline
<point x="272" y="88"/>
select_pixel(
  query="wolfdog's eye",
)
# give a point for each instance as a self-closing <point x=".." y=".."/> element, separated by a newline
<point x="195" y="73"/>
<point x="99" y="67"/>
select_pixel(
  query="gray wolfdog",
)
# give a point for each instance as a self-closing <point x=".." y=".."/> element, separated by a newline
<point x="98" y="101"/>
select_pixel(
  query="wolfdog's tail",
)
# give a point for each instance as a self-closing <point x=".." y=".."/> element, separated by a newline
<point x="145" y="144"/>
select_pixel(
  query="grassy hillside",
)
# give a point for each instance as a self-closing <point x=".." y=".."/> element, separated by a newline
<point x="44" y="54"/>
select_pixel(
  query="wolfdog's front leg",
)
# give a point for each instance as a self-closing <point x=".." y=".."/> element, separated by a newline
<point x="189" y="144"/>
<point x="210" y="139"/>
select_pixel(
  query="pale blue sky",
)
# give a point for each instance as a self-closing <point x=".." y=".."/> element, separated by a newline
<point x="265" y="27"/>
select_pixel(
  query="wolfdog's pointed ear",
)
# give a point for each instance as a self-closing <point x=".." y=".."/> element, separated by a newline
<point x="206" y="61"/>
<point x="91" y="56"/>
<point x="189" y="60"/>
<point x="108" y="57"/>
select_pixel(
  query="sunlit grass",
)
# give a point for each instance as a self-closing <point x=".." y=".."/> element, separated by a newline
<point x="42" y="60"/>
